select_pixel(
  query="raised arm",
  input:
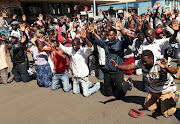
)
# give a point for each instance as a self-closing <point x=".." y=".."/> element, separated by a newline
<point x="83" y="35"/>
<point x="95" y="40"/>
<point x="57" y="52"/>
<point x="122" y="67"/>
<point x="164" y="65"/>
<point x="176" y="29"/>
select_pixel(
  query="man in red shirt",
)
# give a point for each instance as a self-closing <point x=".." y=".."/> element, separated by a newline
<point x="61" y="76"/>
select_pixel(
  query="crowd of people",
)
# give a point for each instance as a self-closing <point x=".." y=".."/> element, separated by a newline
<point x="107" y="48"/>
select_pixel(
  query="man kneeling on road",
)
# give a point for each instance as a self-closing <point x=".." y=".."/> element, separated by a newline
<point x="161" y="83"/>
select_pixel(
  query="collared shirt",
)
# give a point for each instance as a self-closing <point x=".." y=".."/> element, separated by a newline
<point x="79" y="59"/>
<point x="158" y="47"/>
<point x="101" y="55"/>
<point x="113" y="50"/>
<point x="159" y="79"/>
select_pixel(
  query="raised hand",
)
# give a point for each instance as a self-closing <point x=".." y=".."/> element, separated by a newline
<point x="83" y="33"/>
<point x="23" y="39"/>
<point x="40" y="17"/>
<point x="114" y="63"/>
<point x="101" y="11"/>
<point x="175" y="25"/>
<point x="118" y="25"/>
<point x="147" y="18"/>
<point x="163" y="64"/>
<point x="90" y="27"/>
<point x="14" y="16"/>
<point x="148" y="9"/>
<point x="4" y="14"/>
<point x="159" y="5"/>
<point x="162" y="8"/>
<point x="22" y="27"/>
<point x="173" y="16"/>
<point x="24" y="18"/>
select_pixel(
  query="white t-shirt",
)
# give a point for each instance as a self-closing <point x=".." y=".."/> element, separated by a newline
<point x="79" y="59"/>
<point x="158" y="47"/>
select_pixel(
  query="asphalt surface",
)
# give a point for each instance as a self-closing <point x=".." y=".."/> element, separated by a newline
<point x="26" y="103"/>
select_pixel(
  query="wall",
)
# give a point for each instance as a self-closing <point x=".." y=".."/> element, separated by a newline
<point x="141" y="5"/>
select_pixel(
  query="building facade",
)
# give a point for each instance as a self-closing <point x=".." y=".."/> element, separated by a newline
<point x="140" y="6"/>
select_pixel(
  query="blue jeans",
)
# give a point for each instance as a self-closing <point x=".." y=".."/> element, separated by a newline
<point x="101" y="73"/>
<point x="87" y="91"/>
<point x="61" y="79"/>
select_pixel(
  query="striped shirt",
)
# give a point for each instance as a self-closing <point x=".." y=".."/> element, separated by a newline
<point x="159" y="79"/>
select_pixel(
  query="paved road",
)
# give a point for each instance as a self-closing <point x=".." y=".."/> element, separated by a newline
<point x="28" y="104"/>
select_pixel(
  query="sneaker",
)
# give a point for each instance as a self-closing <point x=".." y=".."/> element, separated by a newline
<point x="177" y="97"/>
<point x="129" y="80"/>
<point x="97" y="85"/>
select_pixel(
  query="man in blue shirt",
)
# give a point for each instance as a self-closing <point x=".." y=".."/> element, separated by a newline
<point x="114" y="84"/>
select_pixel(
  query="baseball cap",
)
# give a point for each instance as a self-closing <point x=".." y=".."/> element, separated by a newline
<point x="15" y="23"/>
<point x="120" y="11"/>
<point x="158" y="31"/>
<point x="14" y="34"/>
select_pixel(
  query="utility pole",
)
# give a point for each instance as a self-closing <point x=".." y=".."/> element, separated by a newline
<point x="94" y="4"/>
<point x="126" y="9"/>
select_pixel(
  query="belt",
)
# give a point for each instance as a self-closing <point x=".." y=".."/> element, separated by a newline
<point x="21" y="63"/>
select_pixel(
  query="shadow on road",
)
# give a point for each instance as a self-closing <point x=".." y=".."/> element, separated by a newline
<point x="139" y="85"/>
<point x="156" y="114"/>
<point x="129" y="99"/>
<point x="110" y="100"/>
<point x="177" y="114"/>
<point x="134" y="99"/>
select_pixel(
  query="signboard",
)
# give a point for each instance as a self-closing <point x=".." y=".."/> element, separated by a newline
<point x="155" y="5"/>
<point x="81" y="8"/>
<point x="130" y="5"/>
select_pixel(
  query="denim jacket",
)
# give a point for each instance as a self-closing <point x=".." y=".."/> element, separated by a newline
<point x="113" y="50"/>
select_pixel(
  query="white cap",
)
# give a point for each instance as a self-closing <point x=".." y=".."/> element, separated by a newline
<point x="83" y="13"/>
<point x="55" y="20"/>
<point x="120" y="11"/>
<point x="15" y="34"/>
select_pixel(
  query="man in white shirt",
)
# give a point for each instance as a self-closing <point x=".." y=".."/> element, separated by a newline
<point x="161" y="83"/>
<point x="79" y="66"/>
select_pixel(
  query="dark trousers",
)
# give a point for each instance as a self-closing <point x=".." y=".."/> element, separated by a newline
<point x="114" y="85"/>
<point x="20" y="73"/>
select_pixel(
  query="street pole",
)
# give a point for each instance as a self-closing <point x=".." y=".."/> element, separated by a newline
<point x="126" y="9"/>
<point x="94" y="2"/>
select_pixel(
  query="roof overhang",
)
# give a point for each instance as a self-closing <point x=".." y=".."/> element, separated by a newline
<point x="75" y="1"/>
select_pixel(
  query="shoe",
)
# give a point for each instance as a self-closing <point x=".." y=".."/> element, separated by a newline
<point x="177" y="96"/>
<point x="129" y="80"/>
<point x="97" y="85"/>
